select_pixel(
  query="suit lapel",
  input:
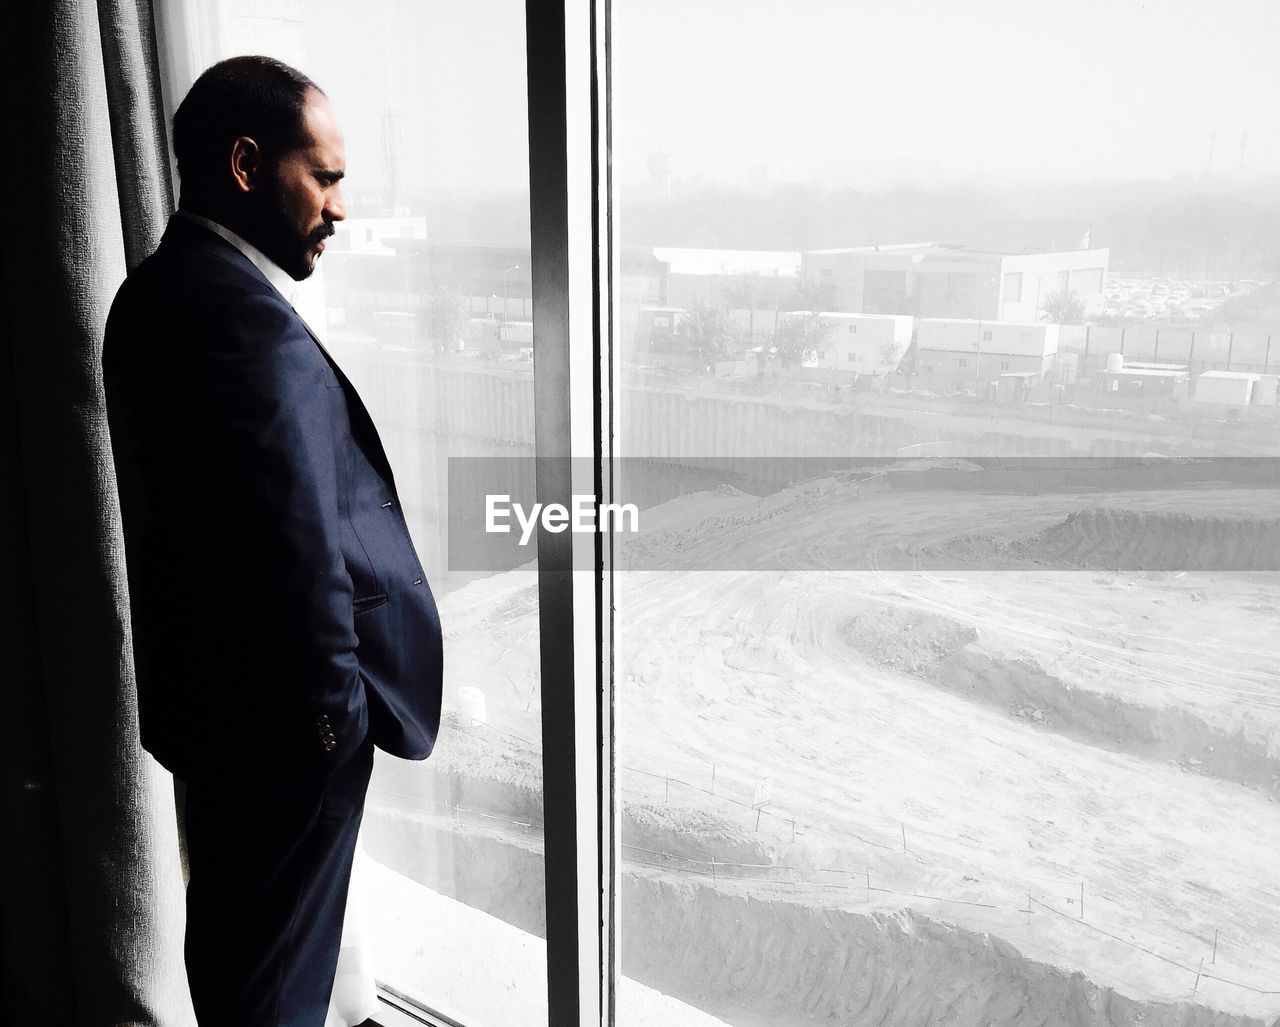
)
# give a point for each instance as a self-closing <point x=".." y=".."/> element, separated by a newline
<point x="355" y="405"/>
<point x="182" y="232"/>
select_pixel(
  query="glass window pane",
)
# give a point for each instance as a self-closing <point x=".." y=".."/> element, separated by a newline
<point x="424" y="298"/>
<point x="946" y="676"/>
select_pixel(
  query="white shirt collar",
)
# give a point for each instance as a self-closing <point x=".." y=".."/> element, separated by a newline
<point x="274" y="273"/>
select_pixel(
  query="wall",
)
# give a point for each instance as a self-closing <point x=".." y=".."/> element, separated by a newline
<point x="844" y="272"/>
<point x="864" y="337"/>
<point x="956" y="288"/>
<point x="922" y="280"/>
<point x="968" y="337"/>
<point x="1046" y="273"/>
<point x="946" y="369"/>
<point x="1232" y="391"/>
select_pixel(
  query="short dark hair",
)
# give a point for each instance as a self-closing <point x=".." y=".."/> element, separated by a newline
<point x="258" y="97"/>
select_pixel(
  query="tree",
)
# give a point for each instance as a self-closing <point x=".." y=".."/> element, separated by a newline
<point x="800" y="335"/>
<point x="446" y="316"/>
<point x="890" y="355"/>
<point x="743" y="291"/>
<point x="803" y="332"/>
<point x="708" y="330"/>
<point x="1064" y="308"/>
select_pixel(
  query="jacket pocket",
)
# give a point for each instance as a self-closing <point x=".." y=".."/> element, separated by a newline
<point x="366" y="603"/>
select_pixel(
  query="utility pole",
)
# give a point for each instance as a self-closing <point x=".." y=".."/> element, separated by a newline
<point x="513" y="267"/>
<point x="977" y="371"/>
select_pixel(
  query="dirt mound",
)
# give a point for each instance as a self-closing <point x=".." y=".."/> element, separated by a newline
<point x="1109" y="538"/>
<point x="1169" y="734"/>
<point x="935" y="463"/>
<point x="907" y="641"/>
<point x="939" y="651"/>
<point x="655" y="834"/>
<point x="984" y="552"/>
<point x="808" y="964"/>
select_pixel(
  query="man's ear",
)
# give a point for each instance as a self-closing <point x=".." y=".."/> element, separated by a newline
<point x="246" y="164"/>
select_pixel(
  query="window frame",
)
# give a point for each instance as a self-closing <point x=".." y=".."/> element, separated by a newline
<point x="574" y="268"/>
<point x="574" y="271"/>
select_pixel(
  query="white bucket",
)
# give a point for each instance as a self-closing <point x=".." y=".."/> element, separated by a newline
<point x="471" y="708"/>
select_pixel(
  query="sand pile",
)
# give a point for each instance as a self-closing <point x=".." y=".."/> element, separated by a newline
<point x="1143" y="540"/>
<point x="908" y="641"/>
<point x="1115" y="539"/>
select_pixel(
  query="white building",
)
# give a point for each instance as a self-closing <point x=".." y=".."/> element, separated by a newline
<point x="516" y="333"/>
<point x="864" y="343"/>
<point x="723" y="278"/>
<point x="935" y="280"/>
<point x="374" y="235"/>
<point x="965" y="353"/>
<point x="1237" y="388"/>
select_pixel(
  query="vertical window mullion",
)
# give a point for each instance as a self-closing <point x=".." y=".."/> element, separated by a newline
<point x="606" y="409"/>
<point x="571" y="304"/>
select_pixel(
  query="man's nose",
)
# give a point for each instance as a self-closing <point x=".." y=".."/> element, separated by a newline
<point x="335" y="209"/>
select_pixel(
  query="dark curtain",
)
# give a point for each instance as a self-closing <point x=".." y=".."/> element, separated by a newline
<point x="90" y="890"/>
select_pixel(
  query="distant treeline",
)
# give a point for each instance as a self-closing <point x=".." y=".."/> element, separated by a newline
<point x="1179" y="228"/>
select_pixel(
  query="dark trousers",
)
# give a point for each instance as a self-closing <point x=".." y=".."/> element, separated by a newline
<point x="270" y="862"/>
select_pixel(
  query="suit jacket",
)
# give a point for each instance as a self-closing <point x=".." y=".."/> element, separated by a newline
<point x="279" y="608"/>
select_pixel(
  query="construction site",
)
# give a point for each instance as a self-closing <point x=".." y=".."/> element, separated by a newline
<point x="967" y="740"/>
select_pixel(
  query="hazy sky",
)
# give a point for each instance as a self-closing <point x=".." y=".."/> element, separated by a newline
<point x="837" y="91"/>
<point x="860" y="91"/>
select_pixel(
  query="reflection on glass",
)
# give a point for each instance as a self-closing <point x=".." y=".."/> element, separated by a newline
<point x="424" y="298"/>
<point x="947" y="672"/>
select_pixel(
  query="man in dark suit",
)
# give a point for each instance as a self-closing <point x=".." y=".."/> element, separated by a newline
<point x="282" y="623"/>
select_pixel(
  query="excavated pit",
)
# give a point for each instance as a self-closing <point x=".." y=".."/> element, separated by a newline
<point x="789" y="963"/>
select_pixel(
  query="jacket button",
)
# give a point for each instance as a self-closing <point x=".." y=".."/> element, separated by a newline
<point x="418" y="581"/>
<point x="330" y="745"/>
<point x="387" y="505"/>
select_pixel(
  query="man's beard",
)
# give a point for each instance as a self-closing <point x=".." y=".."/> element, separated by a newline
<point x="281" y="239"/>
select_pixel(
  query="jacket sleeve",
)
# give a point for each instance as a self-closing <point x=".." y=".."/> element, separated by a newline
<point x="270" y="391"/>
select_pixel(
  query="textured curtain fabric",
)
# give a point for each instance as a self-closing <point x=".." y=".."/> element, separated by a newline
<point x="90" y="888"/>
